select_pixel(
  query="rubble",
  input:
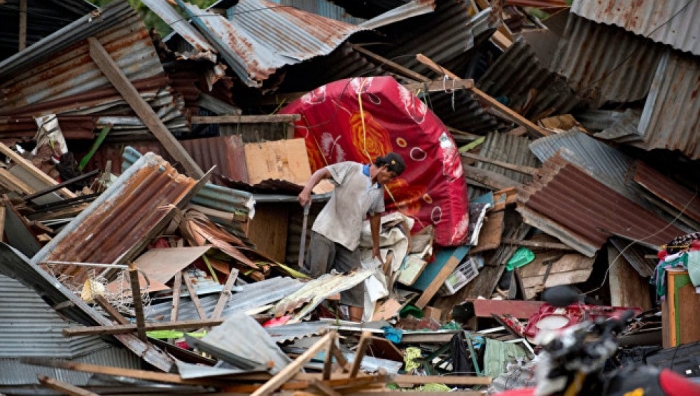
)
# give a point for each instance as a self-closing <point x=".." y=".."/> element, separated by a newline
<point x="150" y="236"/>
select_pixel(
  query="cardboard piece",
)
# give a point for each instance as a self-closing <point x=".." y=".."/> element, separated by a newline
<point x="279" y="160"/>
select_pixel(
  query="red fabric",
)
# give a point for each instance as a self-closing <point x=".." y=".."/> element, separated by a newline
<point x="432" y="190"/>
<point x="674" y="384"/>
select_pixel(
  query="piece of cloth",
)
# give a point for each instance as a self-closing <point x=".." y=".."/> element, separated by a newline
<point x="324" y="256"/>
<point x="410" y="356"/>
<point x="354" y="197"/>
<point x="392" y="334"/>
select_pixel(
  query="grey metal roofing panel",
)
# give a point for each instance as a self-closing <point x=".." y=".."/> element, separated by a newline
<point x="202" y="48"/>
<point x="408" y="10"/>
<point x="261" y="36"/>
<point x="244" y="298"/>
<point x="14" y="265"/>
<point x="297" y="330"/>
<point x="605" y="63"/>
<point x="672" y="22"/>
<point x="671" y="115"/>
<point x="461" y="110"/>
<point x="507" y="148"/>
<point x="518" y="71"/>
<point x="30" y="327"/>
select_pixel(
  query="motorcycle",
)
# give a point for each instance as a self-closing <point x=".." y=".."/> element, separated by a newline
<point x="571" y="363"/>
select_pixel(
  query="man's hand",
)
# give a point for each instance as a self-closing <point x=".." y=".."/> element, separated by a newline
<point x="377" y="254"/>
<point x="304" y="197"/>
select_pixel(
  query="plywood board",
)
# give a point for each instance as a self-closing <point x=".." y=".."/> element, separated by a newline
<point x="278" y="160"/>
<point x="627" y="287"/>
<point x="268" y="230"/>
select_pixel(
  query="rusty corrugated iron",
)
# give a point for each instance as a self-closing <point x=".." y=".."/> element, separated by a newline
<point x="261" y="36"/>
<point x="73" y="127"/>
<point x="224" y="152"/>
<point x="672" y="22"/>
<point x="685" y="201"/>
<point x="565" y="202"/>
<point x="116" y="225"/>
<point x="671" y="116"/>
<point x="605" y="63"/>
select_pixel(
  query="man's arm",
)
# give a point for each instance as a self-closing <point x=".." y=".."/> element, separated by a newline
<point x="374" y="224"/>
<point x="305" y="195"/>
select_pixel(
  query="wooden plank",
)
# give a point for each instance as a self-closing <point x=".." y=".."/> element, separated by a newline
<point x="245" y="119"/>
<point x="33" y="170"/>
<point x="177" y="288"/>
<point x="2" y="223"/>
<point x="365" y="340"/>
<point x="440" y="86"/>
<point x="113" y="313"/>
<point x="138" y="305"/>
<point x="63" y="387"/>
<point x="122" y="84"/>
<point x="225" y="294"/>
<point x="324" y="388"/>
<point x="193" y="295"/>
<point x="14" y="183"/>
<point x="517" y="168"/>
<point x="130" y="328"/>
<point x="328" y="362"/>
<point x="489" y="178"/>
<point x="293" y="368"/>
<point x="22" y="25"/>
<point x="627" y="287"/>
<point x="483" y="308"/>
<point x="268" y="230"/>
<point x="539" y="245"/>
<point x="437" y="282"/>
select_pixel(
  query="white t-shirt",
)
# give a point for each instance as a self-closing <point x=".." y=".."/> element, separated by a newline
<point x="353" y="198"/>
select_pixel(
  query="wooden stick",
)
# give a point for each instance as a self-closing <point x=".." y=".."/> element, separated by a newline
<point x="442" y="379"/>
<point x="324" y="388"/>
<point x="534" y="244"/>
<point x="63" y="387"/>
<point x="144" y="111"/>
<point x="102" y="302"/>
<point x="129" y="328"/>
<point x="365" y="341"/>
<point x="138" y="305"/>
<point x="342" y="362"/>
<point x="328" y="362"/>
<point x="249" y="119"/>
<point x="2" y="223"/>
<point x="518" y="168"/>
<point x="177" y="286"/>
<point x="292" y="369"/>
<point x="193" y="295"/>
<point x="225" y="294"/>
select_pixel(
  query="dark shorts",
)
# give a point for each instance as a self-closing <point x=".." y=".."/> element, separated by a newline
<point x="325" y="255"/>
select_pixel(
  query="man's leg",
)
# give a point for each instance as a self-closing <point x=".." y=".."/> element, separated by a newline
<point x="320" y="253"/>
<point x="346" y="261"/>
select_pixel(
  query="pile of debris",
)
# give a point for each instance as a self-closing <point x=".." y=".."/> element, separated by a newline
<point x="151" y="234"/>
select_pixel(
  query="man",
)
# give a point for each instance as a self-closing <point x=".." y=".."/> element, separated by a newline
<point x="335" y="236"/>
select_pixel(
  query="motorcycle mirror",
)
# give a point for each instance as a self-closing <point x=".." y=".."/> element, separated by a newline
<point x="561" y="296"/>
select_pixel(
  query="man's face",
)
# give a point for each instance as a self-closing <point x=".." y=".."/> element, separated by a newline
<point x="385" y="176"/>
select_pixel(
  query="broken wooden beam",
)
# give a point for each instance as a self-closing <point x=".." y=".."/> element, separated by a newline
<point x="113" y="313"/>
<point x="535" y="244"/>
<point x="193" y="295"/>
<point x="365" y="340"/>
<point x="149" y="117"/>
<point x="443" y="379"/>
<point x="130" y="328"/>
<point x="138" y="305"/>
<point x="33" y="170"/>
<point x="177" y="288"/>
<point x="64" y="388"/>
<point x="247" y="119"/>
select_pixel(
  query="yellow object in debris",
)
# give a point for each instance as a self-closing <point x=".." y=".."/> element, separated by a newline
<point x="409" y="358"/>
<point x="92" y="288"/>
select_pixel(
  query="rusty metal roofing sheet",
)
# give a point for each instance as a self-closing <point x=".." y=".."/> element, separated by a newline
<point x="677" y="196"/>
<point x="507" y="148"/>
<point x="518" y="71"/>
<point x="605" y="63"/>
<point x="672" y="22"/>
<point x="115" y="225"/>
<point x="565" y="202"/>
<point x="60" y="66"/>
<point x="224" y="152"/>
<point x="201" y="47"/>
<point x="261" y="36"/>
<point x="14" y="265"/>
<point x="671" y="115"/>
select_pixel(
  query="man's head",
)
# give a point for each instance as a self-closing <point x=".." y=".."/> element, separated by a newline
<point x="390" y="167"/>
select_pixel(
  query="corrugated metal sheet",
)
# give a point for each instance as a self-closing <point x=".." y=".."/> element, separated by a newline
<point x="408" y="10"/>
<point x="43" y="18"/>
<point x="16" y="266"/>
<point x="605" y="63"/>
<point x="672" y="22"/>
<point x="518" y="71"/>
<point x="564" y="201"/>
<point x="261" y="36"/>
<point x="671" y="116"/>
<point x="443" y="36"/>
<point x="211" y="195"/>
<point x="224" y="152"/>
<point x="507" y="148"/>
<point x="324" y="8"/>
<point x="680" y="198"/>
<point x="114" y="226"/>
<point x="461" y="110"/>
<point x="30" y="327"/>
<point x="60" y="65"/>
<point x="244" y="298"/>
<point x="297" y="330"/>
<point x="611" y="124"/>
<point x="201" y="47"/>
